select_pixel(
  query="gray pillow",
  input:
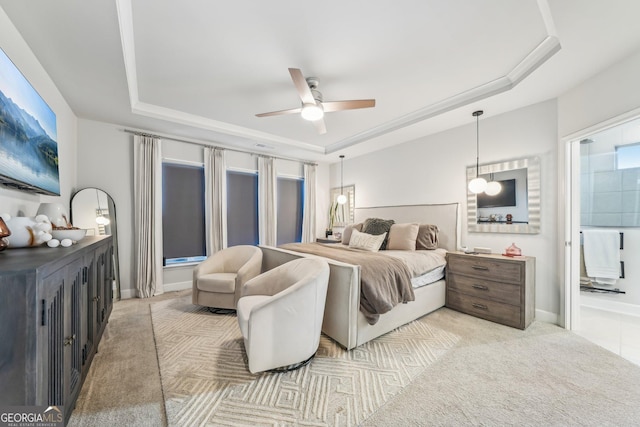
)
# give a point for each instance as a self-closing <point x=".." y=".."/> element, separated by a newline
<point x="427" y="237"/>
<point x="378" y="226"/>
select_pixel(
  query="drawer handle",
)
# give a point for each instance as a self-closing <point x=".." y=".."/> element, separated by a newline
<point x="479" y="267"/>
<point x="480" y="306"/>
<point x="481" y="287"/>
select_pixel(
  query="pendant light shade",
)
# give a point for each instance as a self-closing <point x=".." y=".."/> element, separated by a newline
<point x="477" y="185"/>
<point x="100" y="218"/>
<point x="493" y="188"/>
<point x="342" y="199"/>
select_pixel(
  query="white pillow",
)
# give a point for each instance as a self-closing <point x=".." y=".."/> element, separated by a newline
<point x="365" y="241"/>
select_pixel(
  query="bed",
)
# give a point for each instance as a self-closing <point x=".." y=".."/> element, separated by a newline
<point x="343" y="320"/>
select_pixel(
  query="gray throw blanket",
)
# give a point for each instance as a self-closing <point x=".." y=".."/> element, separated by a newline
<point x="384" y="281"/>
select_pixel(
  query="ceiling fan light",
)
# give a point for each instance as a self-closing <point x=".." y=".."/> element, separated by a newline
<point x="493" y="188"/>
<point x="312" y="112"/>
<point x="477" y="185"/>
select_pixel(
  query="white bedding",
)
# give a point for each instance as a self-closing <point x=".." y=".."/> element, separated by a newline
<point x="426" y="266"/>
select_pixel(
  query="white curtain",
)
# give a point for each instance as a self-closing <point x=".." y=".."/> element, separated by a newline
<point x="309" y="206"/>
<point x="266" y="201"/>
<point x="148" y="215"/>
<point x="215" y="206"/>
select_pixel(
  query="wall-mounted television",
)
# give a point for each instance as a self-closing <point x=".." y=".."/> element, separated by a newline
<point x="506" y="196"/>
<point x="28" y="135"/>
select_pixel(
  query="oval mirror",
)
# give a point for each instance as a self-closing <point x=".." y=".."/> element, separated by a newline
<point x="95" y="210"/>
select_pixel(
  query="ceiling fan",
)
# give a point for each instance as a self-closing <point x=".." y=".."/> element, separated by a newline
<point x="313" y="107"/>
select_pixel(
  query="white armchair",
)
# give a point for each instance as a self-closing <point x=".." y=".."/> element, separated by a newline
<point x="218" y="280"/>
<point x="280" y="314"/>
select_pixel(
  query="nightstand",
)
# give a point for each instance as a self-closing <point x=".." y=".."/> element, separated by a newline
<point x="321" y="240"/>
<point x="492" y="287"/>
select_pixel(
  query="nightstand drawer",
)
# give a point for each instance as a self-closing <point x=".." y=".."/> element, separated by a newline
<point x="505" y="314"/>
<point x="487" y="268"/>
<point x="477" y="287"/>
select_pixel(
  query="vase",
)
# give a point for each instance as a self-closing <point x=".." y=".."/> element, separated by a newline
<point x="56" y="213"/>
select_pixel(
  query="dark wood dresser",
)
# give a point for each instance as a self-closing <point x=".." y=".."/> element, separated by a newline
<point x="54" y="308"/>
<point x="493" y="287"/>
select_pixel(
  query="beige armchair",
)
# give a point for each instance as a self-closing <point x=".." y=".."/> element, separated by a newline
<point x="218" y="280"/>
<point x="280" y="314"/>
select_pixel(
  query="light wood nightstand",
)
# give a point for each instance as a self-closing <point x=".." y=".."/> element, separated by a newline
<point x="492" y="287"/>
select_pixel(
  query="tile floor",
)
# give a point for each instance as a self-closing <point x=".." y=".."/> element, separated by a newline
<point x="618" y="333"/>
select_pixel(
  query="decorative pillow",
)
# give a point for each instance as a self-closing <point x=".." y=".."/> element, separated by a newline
<point x="377" y="226"/>
<point x="346" y="234"/>
<point x="402" y="237"/>
<point x="365" y="241"/>
<point x="427" y="237"/>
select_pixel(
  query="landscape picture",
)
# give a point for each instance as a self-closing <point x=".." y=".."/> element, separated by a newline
<point x="28" y="136"/>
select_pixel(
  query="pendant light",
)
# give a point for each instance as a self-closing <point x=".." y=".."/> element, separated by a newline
<point x="342" y="199"/>
<point x="477" y="184"/>
<point x="101" y="219"/>
<point x="493" y="187"/>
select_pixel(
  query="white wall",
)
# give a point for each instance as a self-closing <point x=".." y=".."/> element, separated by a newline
<point x="598" y="103"/>
<point x="433" y="170"/>
<point x="105" y="161"/>
<point x="18" y="202"/>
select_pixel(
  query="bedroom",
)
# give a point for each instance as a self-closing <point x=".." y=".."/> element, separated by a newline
<point x="437" y="156"/>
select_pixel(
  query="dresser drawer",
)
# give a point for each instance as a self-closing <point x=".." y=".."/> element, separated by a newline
<point x="477" y="287"/>
<point x="505" y="314"/>
<point x="486" y="268"/>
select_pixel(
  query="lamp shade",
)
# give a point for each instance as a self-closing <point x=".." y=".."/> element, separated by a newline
<point x="477" y="185"/>
<point x="493" y="188"/>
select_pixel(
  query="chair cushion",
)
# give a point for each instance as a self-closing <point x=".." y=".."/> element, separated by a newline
<point x="222" y="283"/>
<point x="243" y="311"/>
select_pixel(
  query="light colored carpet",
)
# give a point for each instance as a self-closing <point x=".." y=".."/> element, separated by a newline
<point x="493" y="376"/>
<point x="206" y="382"/>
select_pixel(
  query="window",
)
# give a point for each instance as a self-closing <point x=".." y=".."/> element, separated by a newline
<point x="290" y="198"/>
<point x="242" y="208"/>
<point x="628" y="156"/>
<point x="183" y="226"/>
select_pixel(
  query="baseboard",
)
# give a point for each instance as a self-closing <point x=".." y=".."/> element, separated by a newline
<point x="547" y="316"/>
<point x="178" y="286"/>
<point x="608" y="305"/>
<point x="127" y="293"/>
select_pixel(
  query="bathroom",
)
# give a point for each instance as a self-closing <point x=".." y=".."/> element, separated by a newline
<point x="610" y="220"/>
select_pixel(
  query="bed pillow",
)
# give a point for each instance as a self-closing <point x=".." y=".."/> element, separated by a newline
<point x="377" y="226"/>
<point x="402" y="237"/>
<point x="365" y="241"/>
<point x="427" y="237"/>
<point x="346" y="234"/>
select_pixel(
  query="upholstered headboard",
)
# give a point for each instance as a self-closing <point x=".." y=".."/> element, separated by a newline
<point x="445" y="216"/>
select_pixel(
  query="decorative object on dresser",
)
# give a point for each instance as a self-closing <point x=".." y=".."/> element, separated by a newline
<point x="54" y="308"/>
<point x="492" y="287"/>
<point x="4" y="233"/>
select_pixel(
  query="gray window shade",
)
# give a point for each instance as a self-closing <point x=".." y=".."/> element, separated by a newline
<point x="289" y="210"/>
<point x="242" y="208"/>
<point x="183" y="231"/>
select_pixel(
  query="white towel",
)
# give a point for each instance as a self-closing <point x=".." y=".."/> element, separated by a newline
<point x="602" y="254"/>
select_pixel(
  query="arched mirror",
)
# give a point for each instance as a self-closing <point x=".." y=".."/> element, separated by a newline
<point x="94" y="210"/>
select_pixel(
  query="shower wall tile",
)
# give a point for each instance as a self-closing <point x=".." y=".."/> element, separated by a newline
<point x="607" y="220"/>
<point x="630" y="201"/>
<point x="603" y="162"/>
<point x="607" y="202"/>
<point x="631" y="219"/>
<point x="607" y="181"/>
<point x="631" y="179"/>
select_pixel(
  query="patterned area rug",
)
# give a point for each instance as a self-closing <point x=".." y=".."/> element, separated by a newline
<point x="205" y="379"/>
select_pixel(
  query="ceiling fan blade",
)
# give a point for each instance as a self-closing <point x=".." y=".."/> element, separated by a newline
<point x="301" y="86"/>
<point x="354" y="104"/>
<point x="279" y="113"/>
<point x="320" y="126"/>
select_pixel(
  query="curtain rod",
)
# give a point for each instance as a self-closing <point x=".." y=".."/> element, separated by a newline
<point x="202" y="144"/>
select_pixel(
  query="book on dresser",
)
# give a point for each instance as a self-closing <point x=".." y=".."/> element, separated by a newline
<point x="493" y="287"/>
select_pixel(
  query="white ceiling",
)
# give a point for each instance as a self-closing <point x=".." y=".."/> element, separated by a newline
<point x="202" y="69"/>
